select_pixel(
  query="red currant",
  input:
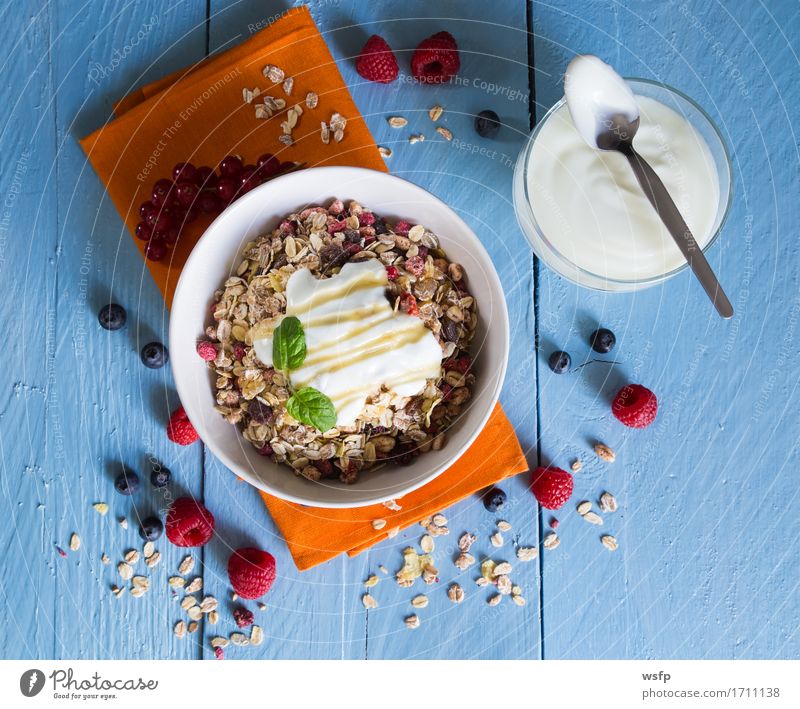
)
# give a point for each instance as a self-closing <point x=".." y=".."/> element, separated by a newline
<point x="146" y="208"/>
<point x="163" y="220"/>
<point x="227" y="188"/>
<point x="206" y="177"/>
<point x="268" y="165"/>
<point x="143" y="231"/>
<point x="186" y="192"/>
<point x="171" y="236"/>
<point x="208" y="203"/>
<point x="247" y="179"/>
<point x="230" y="166"/>
<point x="155" y="250"/>
<point x="161" y="190"/>
<point x="184" y="171"/>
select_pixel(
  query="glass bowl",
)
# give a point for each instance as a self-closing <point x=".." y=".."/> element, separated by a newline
<point x="544" y="247"/>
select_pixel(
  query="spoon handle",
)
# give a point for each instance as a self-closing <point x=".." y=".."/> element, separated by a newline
<point x="665" y="207"/>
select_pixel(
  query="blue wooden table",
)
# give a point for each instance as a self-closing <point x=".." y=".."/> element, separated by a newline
<point x="708" y="525"/>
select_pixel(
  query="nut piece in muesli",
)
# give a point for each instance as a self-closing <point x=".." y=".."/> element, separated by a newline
<point x="342" y="344"/>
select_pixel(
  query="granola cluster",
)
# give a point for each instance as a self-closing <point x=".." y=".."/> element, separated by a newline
<point x="422" y="282"/>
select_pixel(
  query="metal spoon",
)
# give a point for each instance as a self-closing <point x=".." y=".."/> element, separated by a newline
<point x="618" y="134"/>
<point x="606" y="114"/>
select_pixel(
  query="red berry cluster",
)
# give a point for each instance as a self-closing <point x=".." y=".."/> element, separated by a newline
<point x="198" y="190"/>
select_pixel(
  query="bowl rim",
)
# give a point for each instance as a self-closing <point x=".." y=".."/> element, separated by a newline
<point x="616" y="283"/>
<point x="500" y="320"/>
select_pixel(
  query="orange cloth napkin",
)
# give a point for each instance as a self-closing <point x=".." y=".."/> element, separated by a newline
<point x="198" y="115"/>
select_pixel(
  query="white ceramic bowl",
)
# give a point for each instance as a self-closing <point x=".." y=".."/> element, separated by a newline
<point x="217" y="254"/>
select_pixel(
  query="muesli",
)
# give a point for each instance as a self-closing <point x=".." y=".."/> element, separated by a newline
<point x="421" y="282"/>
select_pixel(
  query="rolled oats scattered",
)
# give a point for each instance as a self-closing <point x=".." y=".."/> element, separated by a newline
<point x="502" y="569"/>
<point x="273" y="73"/>
<point x="576" y="465"/>
<point x="527" y="553"/>
<point x="608" y="503"/>
<point x="262" y="606"/>
<point x="195" y="613"/>
<point x="436" y="112"/>
<point x="311" y="100"/>
<point x="420" y="601"/>
<point x="153" y="560"/>
<point x="125" y="570"/>
<point x="324" y="132"/>
<point x="494" y="600"/>
<point x="383" y="569"/>
<point x="176" y="581"/>
<point x="444" y="132"/>
<point x="503" y="526"/>
<point x="455" y="593"/>
<point x="435" y="531"/>
<point x="393" y="532"/>
<point x="148" y="549"/>
<point x="496" y="539"/>
<point x="239" y="639"/>
<point x="464" y="560"/>
<point x="466" y="541"/>
<point x="384" y="151"/>
<point x="412" y="622"/>
<point x="188" y="602"/>
<point x="288" y="85"/>
<point x="516" y="590"/>
<point x="430" y="574"/>
<point x="605" y="453"/>
<point x="371" y="581"/>
<point x="583" y="507"/>
<point x="123" y="522"/>
<point x="234" y="596"/>
<point x="285" y="140"/>
<point x="256" y="635"/>
<point x="137" y="591"/>
<point x="426" y="543"/>
<point x="609" y="542"/>
<point x="141" y="582"/>
<point x="504" y="585"/>
<point x="208" y="604"/>
<point x="104" y="558"/>
<point x="213" y="617"/>
<point x="179" y="629"/>
<point x="369" y="601"/>
<point x="416" y="138"/>
<point x="397" y="121"/>
<point x="519" y="600"/>
<point x="186" y="565"/>
<point x="593" y="518"/>
<point x="101" y="508"/>
<point x="131" y="556"/>
<point x="551" y="541"/>
<point x="439" y="520"/>
<point x="219" y="641"/>
<point x="74" y="542"/>
<point x="193" y="626"/>
<point x="392" y="505"/>
<point x="378" y="523"/>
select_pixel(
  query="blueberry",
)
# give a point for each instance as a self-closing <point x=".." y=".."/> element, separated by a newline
<point x="559" y="362"/>
<point x="602" y="340"/>
<point x="160" y="475"/>
<point x="154" y="355"/>
<point x="487" y="123"/>
<point x="494" y="499"/>
<point x="127" y="482"/>
<point x="151" y="529"/>
<point x="112" y="316"/>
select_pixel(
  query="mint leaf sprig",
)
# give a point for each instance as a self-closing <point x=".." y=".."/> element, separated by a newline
<point x="308" y="405"/>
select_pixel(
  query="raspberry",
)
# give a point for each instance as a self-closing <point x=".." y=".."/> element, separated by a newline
<point x="207" y="350"/>
<point x="219" y="653"/>
<point x="266" y="449"/>
<point x="552" y="487"/>
<point x="243" y="617"/>
<point x="189" y="524"/>
<point x="460" y="364"/>
<point x="377" y="61"/>
<point x="180" y="429"/>
<point x="238" y="351"/>
<point x="251" y="572"/>
<point x="391" y="272"/>
<point x="415" y="265"/>
<point x="366" y="219"/>
<point x="402" y="227"/>
<point x="635" y="406"/>
<point x="408" y="303"/>
<point x="436" y="59"/>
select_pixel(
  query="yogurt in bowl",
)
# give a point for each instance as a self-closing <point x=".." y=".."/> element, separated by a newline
<point x="586" y="216"/>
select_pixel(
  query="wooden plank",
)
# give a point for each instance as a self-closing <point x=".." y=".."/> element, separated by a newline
<point x="29" y="422"/>
<point x="473" y="176"/>
<point x="111" y="408"/>
<point x="708" y="540"/>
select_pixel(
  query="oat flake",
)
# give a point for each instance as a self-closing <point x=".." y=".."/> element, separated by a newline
<point x="503" y="526"/>
<point x="369" y="601"/>
<point x="551" y="541"/>
<point x="496" y="539"/>
<point x="527" y="553"/>
<point x="101" y="508"/>
<point x="74" y="542"/>
<point x="412" y="622"/>
<point x="420" y="601"/>
<point x="605" y="453"/>
<point x="609" y="542"/>
<point x="608" y="503"/>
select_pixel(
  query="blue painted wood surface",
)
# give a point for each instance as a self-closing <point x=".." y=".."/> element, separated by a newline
<point x="707" y="565"/>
